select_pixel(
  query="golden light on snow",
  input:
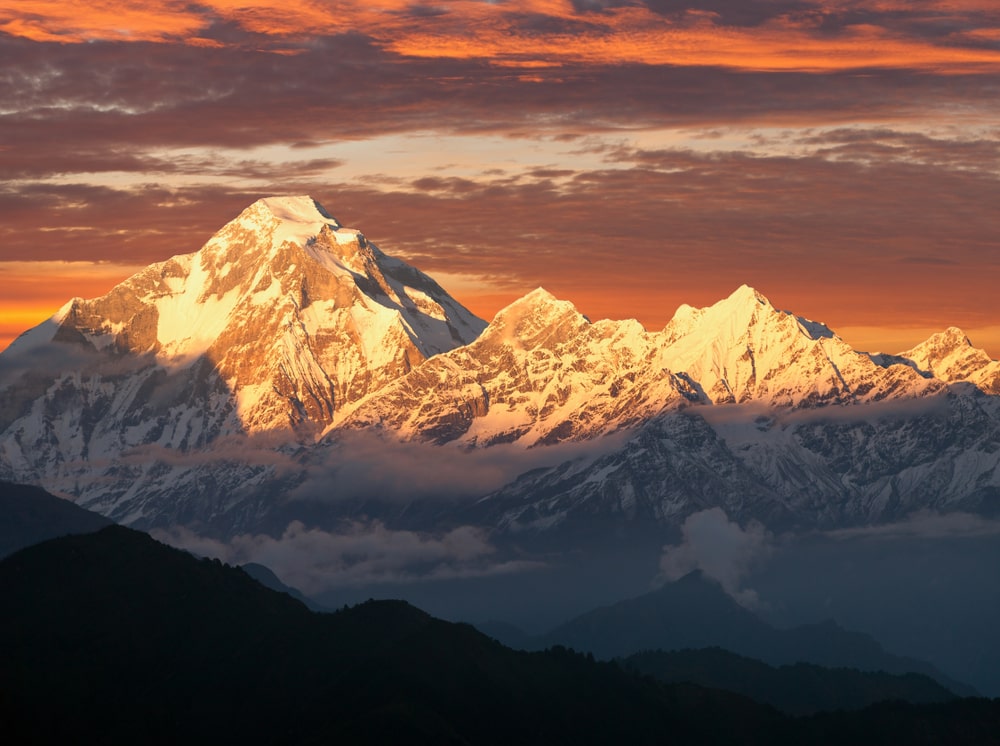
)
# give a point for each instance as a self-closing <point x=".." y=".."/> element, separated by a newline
<point x="33" y="291"/>
<point x="627" y="156"/>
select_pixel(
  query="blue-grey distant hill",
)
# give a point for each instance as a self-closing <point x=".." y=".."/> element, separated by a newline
<point x="29" y="515"/>
<point x="695" y="612"/>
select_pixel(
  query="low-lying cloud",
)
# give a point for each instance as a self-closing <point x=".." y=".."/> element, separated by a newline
<point x="924" y="524"/>
<point x="362" y="465"/>
<point x="363" y="553"/>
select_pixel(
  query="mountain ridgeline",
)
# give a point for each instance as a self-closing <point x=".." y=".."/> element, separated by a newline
<point x="123" y="640"/>
<point x="207" y="388"/>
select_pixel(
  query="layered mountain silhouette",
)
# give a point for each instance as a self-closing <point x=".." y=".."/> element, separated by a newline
<point x="123" y="640"/>
<point x="695" y="612"/>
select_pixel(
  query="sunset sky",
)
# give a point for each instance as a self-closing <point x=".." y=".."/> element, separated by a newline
<point x="841" y="156"/>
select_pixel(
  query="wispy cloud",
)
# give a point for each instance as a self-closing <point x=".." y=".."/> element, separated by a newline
<point x="811" y="34"/>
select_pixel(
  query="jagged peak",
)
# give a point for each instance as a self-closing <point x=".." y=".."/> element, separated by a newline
<point x="538" y="300"/>
<point x="538" y="296"/>
<point x="743" y="308"/>
<point x="735" y="312"/>
<point x="950" y="337"/>
<point x="950" y="345"/>
<point x="534" y="312"/>
<point x="745" y="295"/>
<point x="951" y="356"/>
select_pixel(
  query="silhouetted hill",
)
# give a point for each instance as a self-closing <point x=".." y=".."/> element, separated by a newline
<point x="135" y="642"/>
<point x="695" y="612"/>
<point x="799" y="689"/>
<point x="29" y="515"/>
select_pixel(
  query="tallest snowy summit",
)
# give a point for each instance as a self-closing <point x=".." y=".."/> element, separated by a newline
<point x="280" y="319"/>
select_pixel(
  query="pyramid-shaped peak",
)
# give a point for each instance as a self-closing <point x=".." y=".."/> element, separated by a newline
<point x="279" y="220"/>
<point x="539" y="296"/>
<point x="940" y="344"/>
<point x="735" y="312"/>
<point x="299" y="209"/>
<point x="539" y="302"/>
<point x="537" y="313"/>
<point x="950" y="356"/>
<point x="745" y="295"/>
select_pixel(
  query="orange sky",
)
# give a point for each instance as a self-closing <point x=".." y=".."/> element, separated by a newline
<point x="841" y="156"/>
<point x="785" y="36"/>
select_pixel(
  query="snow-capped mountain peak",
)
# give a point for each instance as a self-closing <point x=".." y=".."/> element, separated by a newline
<point x="535" y="316"/>
<point x="742" y="348"/>
<point x="271" y="222"/>
<point x="950" y="356"/>
<point x="745" y="295"/>
<point x="301" y="209"/>
<point x="278" y="321"/>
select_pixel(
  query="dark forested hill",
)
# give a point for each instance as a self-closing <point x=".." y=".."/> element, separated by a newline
<point x="798" y="689"/>
<point x="120" y="638"/>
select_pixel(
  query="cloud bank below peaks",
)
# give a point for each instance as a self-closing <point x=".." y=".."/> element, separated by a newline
<point x="363" y="553"/>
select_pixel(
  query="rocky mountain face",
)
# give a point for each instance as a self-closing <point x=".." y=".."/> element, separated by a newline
<point x="203" y="389"/>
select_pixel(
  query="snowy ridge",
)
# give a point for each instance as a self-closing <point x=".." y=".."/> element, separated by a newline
<point x="541" y="373"/>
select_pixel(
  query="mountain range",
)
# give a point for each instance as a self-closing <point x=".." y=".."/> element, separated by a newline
<point x="227" y="390"/>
